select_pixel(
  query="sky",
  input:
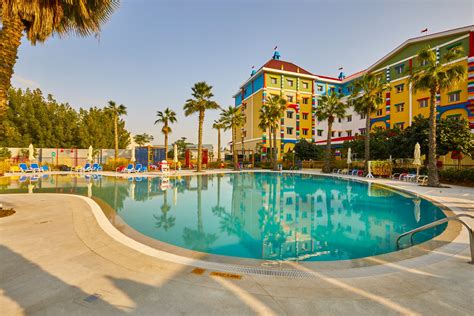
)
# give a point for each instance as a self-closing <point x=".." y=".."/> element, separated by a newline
<point x="151" y="52"/>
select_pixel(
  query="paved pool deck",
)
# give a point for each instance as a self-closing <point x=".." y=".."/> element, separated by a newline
<point x="56" y="258"/>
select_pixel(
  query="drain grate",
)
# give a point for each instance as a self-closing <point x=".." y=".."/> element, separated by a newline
<point x="226" y="275"/>
<point x="92" y="298"/>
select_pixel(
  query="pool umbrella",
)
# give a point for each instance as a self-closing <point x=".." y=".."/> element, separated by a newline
<point x="31" y="153"/>
<point x="416" y="209"/>
<point x="132" y="159"/>
<point x="417" y="158"/>
<point x="89" y="154"/>
<point x="349" y="154"/>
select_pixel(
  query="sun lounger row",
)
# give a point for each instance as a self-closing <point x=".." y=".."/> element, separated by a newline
<point x="24" y="168"/>
<point x="131" y="168"/>
<point x="350" y="172"/>
<point x="410" y="177"/>
<point x="88" y="168"/>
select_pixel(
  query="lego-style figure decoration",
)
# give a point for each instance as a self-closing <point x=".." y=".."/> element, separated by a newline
<point x="253" y="71"/>
<point x="276" y="54"/>
<point x="341" y="75"/>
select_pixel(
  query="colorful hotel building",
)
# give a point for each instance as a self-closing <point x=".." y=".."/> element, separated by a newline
<point x="302" y="90"/>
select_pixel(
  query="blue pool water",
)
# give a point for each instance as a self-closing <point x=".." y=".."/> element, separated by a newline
<point x="267" y="216"/>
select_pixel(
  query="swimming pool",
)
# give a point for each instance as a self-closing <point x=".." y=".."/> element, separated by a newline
<point x="261" y="215"/>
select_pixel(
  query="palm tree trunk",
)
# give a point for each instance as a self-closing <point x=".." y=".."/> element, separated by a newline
<point x="270" y="145"/>
<point x="219" y="145"/>
<point x="10" y="40"/>
<point x="201" y="121"/>
<point x="275" y="150"/>
<point x="327" y="158"/>
<point x="116" y="135"/>
<point x="367" y="141"/>
<point x="234" y="147"/>
<point x="432" y="168"/>
<point x="166" y="146"/>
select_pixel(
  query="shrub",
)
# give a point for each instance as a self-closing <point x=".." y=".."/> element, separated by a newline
<point x="112" y="164"/>
<point x="5" y="153"/>
<point x="454" y="176"/>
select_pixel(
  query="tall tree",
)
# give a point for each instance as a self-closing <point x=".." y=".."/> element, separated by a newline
<point x="329" y="108"/>
<point x="39" y="19"/>
<point x="265" y="124"/>
<point x="116" y="111"/>
<point x="277" y="107"/>
<point x="434" y="76"/>
<point x="142" y="139"/>
<point x="366" y="98"/>
<point x="200" y="102"/>
<point x="166" y="118"/>
<point x="218" y="125"/>
<point x="233" y="118"/>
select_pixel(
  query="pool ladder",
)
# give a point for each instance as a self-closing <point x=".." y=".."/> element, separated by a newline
<point x="439" y="222"/>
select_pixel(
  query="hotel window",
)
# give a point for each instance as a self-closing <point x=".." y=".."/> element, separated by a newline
<point x="400" y="125"/>
<point x="454" y="96"/>
<point x="339" y="90"/>
<point x="423" y="103"/>
<point x="289" y="98"/>
<point x="424" y="63"/>
<point x="320" y="132"/>
<point x="305" y="131"/>
<point x="289" y="130"/>
<point x="349" y="118"/>
<point x="289" y="201"/>
<point x="379" y="112"/>
<point x="332" y="90"/>
<point x="333" y="134"/>
<point x="400" y="107"/>
<point x="289" y="114"/>
<point x="339" y="120"/>
<point x="362" y="131"/>
<point x="305" y="85"/>
<point x="289" y="82"/>
<point x="349" y="133"/>
<point x="399" y="69"/>
<point x="273" y="80"/>
<point x="362" y="116"/>
<point x="305" y="116"/>
<point x="339" y="134"/>
<point x="320" y="88"/>
<point x="305" y="100"/>
<point x="399" y="88"/>
<point x="349" y="89"/>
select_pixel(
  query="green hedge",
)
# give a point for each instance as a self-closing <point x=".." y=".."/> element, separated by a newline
<point x="454" y="176"/>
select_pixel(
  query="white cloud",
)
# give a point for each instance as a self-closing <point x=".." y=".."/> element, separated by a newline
<point x="21" y="82"/>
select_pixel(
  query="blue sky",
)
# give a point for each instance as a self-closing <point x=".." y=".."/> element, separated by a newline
<point x="151" y="52"/>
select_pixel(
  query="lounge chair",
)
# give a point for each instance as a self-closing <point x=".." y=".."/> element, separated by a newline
<point x="335" y="171"/>
<point x="35" y="167"/>
<point x="354" y="172"/>
<point x="345" y="171"/>
<point x="24" y="168"/>
<point x="140" y="168"/>
<point x="15" y="169"/>
<point x="129" y="168"/>
<point x="45" y="168"/>
<point x="96" y="167"/>
<point x="87" y="167"/>
<point x="360" y="173"/>
<point x="422" y="179"/>
<point x="119" y="168"/>
<point x="410" y="177"/>
<point x="395" y="175"/>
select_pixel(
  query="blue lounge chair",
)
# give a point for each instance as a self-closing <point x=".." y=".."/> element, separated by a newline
<point x="35" y="168"/>
<point x="140" y="168"/>
<point x="44" y="168"/>
<point x="96" y="167"/>
<point x="129" y="168"/>
<point x="87" y="167"/>
<point x="24" y="168"/>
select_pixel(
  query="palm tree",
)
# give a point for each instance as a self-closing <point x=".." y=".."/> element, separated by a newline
<point x="142" y="139"/>
<point x="329" y="108"/>
<point x="435" y="76"/>
<point x="233" y="118"/>
<point x="166" y="117"/>
<point x="116" y="112"/>
<point x="277" y="107"/>
<point x="367" y="98"/>
<point x="264" y="125"/>
<point x="201" y="101"/>
<point x="39" y="20"/>
<point x="218" y="125"/>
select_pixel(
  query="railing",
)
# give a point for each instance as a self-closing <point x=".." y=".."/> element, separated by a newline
<point x="439" y="222"/>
